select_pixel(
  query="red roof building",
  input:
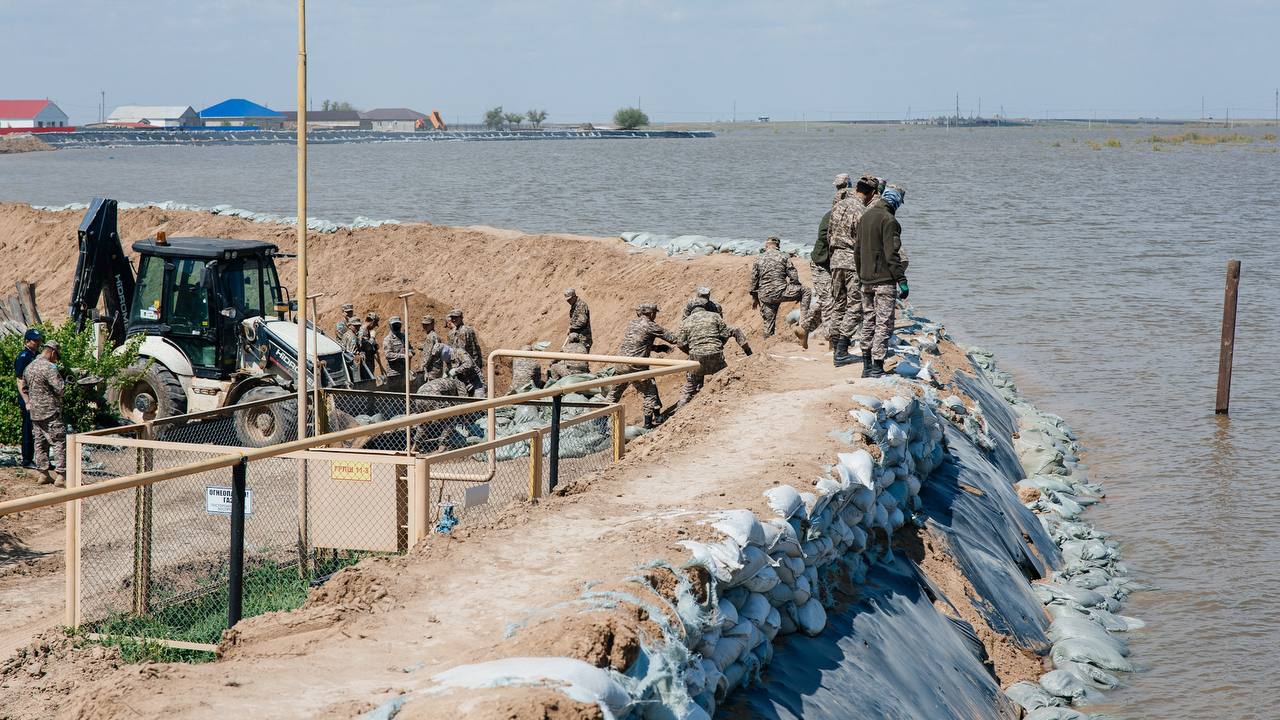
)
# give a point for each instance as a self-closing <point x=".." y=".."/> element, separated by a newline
<point x="31" y="114"/>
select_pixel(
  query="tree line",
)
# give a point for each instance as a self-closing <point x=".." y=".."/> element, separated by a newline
<point x="627" y="118"/>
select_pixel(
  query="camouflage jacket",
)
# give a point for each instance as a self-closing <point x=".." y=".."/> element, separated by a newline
<point x="525" y="371"/>
<point x="639" y="338"/>
<point x="772" y="276"/>
<point x="580" y="319"/>
<point x="349" y="341"/>
<point x="393" y="348"/>
<point x="44" y="388"/>
<point x="464" y="338"/>
<point x="463" y="369"/>
<point x="427" y="346"/>
<point x="694" y="302"/>
<point x="842" y="233"/>
<point x="704" y="333"/>
<point x="572" y="367"/>
<point x="442" y="386"/>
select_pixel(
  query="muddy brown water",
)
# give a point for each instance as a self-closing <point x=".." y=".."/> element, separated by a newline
<point x="1095" y="275"/>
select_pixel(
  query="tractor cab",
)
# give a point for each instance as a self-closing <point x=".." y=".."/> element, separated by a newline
<point x="196" y="292"/>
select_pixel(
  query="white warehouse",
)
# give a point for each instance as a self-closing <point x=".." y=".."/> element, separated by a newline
<point x="156" y="116"/>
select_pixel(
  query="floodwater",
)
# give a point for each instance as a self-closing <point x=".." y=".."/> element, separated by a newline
<point x="1096" y="275"/>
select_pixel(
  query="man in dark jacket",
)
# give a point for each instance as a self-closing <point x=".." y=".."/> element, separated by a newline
<point x="882" y="269"/>
<point x="30" y="351"/>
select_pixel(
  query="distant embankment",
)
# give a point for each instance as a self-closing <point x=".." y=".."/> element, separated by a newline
<point x="10" y="144"/>
<point x="178" y="136"/>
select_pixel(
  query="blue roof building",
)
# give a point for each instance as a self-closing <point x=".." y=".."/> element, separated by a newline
<point x="239" y="112"/>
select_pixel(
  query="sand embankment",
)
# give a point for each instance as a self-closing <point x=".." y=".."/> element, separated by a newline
<point x="12" y="144"/>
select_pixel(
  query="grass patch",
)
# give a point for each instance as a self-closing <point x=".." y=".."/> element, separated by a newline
<point x="1269" y="137"/>
<point x="1093" y="144"/>
<point x="1195" y="138"/>
<point x="1112" y="142"/>
<point x="201" y="619"/>
<point x="1156" y="147"/>
<point x="1057" y="144"/>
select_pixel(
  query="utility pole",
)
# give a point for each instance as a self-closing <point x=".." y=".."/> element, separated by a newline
<point x="102" y="107"/>
<point x="1201" y="108"/>
<point x="735" y="111"/>
<point x="957" y="107"/>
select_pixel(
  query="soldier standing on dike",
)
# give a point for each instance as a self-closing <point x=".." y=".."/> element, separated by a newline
<point x="703" y="335"/>
<point x="43" y="386"/>
<point x="31" y="343"/>
<point x="394" y="349"/>
<point x="463" y="337"/>
<point x="882" y="267"/>
<point x="820" y="269"/>
<point x="774" y="280"/>
<point x="429" y="339"/>
<point x="846" y="289"/>
<point x="367" y="341"/>
<point x="579" y="317"/>
<point x="701" y="300"/>
<point x="639" y="340"/>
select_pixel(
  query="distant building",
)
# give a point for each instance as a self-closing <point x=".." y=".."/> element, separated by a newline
<point x="31" y="114"/>
<point x="327" y="120"/>
<point x="155" y="116"/>
<point x="396" y="119"/>
<point x="237" y="112"/>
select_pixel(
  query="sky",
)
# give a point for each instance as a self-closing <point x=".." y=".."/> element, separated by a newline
<point x="689" y="61"/>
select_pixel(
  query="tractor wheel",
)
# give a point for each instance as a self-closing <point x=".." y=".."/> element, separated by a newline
<point x="154" y="393"/>
<point x="269" y="424"/>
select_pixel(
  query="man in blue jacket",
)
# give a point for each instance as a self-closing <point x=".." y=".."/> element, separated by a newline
<point x="31" y="349"/>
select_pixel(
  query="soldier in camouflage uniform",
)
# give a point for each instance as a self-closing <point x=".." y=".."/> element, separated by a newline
<point x="820" y="270"/>
<point x="565" y="368"/>
<point x="367" y="342"/>
<point x="639" y="340"/>
<point x="846" y="289"/>
<point x="463" y="337"/>
<point x="526" y="373"/>
<point x="775" y="280"/>
<point x="349" y="315"/>
<point x="464" y="369"/>
<point x="394" y="348"/>
<point x="701" y="300"/>
<point x="579" y="317"/>
<point x="702" y="336"/>
<point x="882" y="267"/>
<point x="430" y="339"/>
<point x="43" y="386"/>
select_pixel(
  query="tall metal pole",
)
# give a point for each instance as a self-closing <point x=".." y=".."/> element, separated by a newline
<point x="301" y="292"/>
<point x="235" y="585"/>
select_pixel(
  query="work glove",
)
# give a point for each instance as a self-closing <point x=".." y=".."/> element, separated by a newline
<point x="746" y="349"/>
<point x="903" y="290"/>
<point x="662" y="348"/>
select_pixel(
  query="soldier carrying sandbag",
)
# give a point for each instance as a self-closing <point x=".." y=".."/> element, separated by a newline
<point x="702" y="336"/>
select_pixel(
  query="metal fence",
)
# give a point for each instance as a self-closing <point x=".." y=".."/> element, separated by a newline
<point x="190" y="526"/>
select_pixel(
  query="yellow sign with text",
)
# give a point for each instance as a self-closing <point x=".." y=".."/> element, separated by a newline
<point x="351" y="470"/>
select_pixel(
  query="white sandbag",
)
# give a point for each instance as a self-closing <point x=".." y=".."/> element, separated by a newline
<point x="811" y="618"/>
<point x="1056" y="592"/>
<point x="753" y="558"/>
<point x="1087" y="651"/>
<point x="827" y="486"/>
<point x="1063" y="684"/>
<point x="895" y="434"/>
<point x="1115" y="623"/>
<point x="727" y="613"/>
<point x="786" y="541"/>
<point x="1088" y="674"/>
<point x="782" y="593"/>
<point x="711" y="672"/>
<point x="755" y="609"/>
<point x="741" y="525"/>
<point x="796" y="565"/>
<point x="707" y="644"/>
<point x="1066" y="628"/>
<point x="743" y="629"/>
<point x="578" y="680"/>
<point x="1030" y="696"/>
<point x="733" y="675"/>
<point x="785" y="501"/>
<point x="860" y="464"/>
<point x="851" y="515"/>
<point x="763" y="581"/>
<point x="863" y="498"/>
<point x="803" y="591"/>
<point x="722" y="559"/>
<point x="866" y="419"/>
<point x="870" y="402"/>
<point x="1056" y="713"/>
<point x="695" y="678"/>
<point x="898" y="408"/>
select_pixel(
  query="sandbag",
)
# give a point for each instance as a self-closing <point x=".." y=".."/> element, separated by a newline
<point x="785" y="501"/>
<point x="755" y="609"/>
<point x="1085" y="650"/>
<point x="1063" y="684"/>
<point x="786" y="542"/>
<point x="811" y="618"/>
<point x="1056" y="713"/>
<point x="753" y="559"/>
<point x="763" y="581"/>
<point x="1030" y="696"/>
<point x="860" y="464"/>
<point x="741" y="525"/>
<point x="580" y="681"/>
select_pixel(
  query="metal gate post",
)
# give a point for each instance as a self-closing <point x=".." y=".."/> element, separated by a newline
<point x="235" y="590"/>
<point x="554" y="471"/>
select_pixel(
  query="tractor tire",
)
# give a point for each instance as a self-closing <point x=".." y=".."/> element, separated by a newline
<point x="266" y="425"/>
<point x="155" y="393"/>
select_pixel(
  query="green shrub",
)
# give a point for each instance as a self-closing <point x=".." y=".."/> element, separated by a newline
<point x="84" y="406"/>
<point x="630" y="118"/>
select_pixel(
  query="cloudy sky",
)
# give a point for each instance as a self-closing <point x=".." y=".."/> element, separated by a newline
<point x="682" y="61"/>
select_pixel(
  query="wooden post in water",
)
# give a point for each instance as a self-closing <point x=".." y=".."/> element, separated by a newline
<point x="1227" y="352"/>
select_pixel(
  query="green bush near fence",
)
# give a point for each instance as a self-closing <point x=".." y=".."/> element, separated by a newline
<point x="85" y="407"/>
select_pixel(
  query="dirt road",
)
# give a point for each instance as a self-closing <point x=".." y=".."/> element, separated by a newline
<point x="31" y="578"/>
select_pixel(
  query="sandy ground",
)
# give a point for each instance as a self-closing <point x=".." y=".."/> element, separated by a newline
<point x="10" y="144"/>
<point x="512" y="586"/>
<point x="31" y="577"/>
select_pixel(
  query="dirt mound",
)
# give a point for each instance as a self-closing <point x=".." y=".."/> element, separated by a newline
<point x="49" y="669"/>
<point x="11" y="144"/>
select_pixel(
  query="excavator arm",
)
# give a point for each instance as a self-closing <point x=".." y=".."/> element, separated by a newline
<point x="102" y="270"/>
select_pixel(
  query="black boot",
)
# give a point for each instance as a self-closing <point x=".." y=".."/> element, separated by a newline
<point x="866" y="363"/>
<point x="841" y="355"/>
<point x="877" y="369"/>
<point x="648" y="421"/>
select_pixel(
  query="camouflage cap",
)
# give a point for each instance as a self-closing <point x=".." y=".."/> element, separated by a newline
<point x="646" y="308"/>
<point x="868" y="183"/>
<point x="773" y="239"/>
<point x="570" y="292"/>
<point x="394" y="320"/>
<point x="698" y="303"/>
<point x="841" y="180"/>
<point x="371" y="315"/>
<point x="52" y="344"/>
<point x="428" y="319"/>
<point x="454" y="313"/>
<point x="348" y="307"/>
<point x="704" y="291"/>
<point x="574" y="337"/>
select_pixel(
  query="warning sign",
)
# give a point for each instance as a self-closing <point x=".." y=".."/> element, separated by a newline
<point x="217" y="500"/>
<point x="351" y="470"/>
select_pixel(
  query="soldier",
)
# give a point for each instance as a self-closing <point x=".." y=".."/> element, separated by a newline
<point x="463" y="337"/>
<point x="526" y="373"/>
<point x="701" y="300"/>
<point x="820" y="269"/>
<point x="31" y="344"/>
<point x="774" y="280"/>
<point x="639" y="340"/>
<point x="703" y="335"/>
<point x="430" y="339"/>
<point x="565" y="368"/>
<point x="464" y="369"/>
<point x="846" y="293"/>
<point x="436" y="364"/>
<point x="349" y="314"/>
<point x="394" y="349"/>
<point x="579" y="317"/>
<point x="882" y="268"/>
<point x="43" y="386"/>
<point x="368" y="345"/>
<point x="433" y="436"/>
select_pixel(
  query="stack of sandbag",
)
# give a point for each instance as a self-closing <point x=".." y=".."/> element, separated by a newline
<point x="769" y="575"/>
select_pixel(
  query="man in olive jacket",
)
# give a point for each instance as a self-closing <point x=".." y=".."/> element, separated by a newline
<point x="882" y="269"/>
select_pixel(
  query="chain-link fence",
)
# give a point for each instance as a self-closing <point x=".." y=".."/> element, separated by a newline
<point x="155" y="561"/>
